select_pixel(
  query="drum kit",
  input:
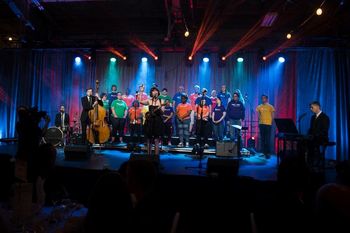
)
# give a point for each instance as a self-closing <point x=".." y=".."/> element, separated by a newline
<point x="58" y="136"/>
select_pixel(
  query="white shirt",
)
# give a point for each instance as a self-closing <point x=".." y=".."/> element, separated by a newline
<point x="318" y="114"/>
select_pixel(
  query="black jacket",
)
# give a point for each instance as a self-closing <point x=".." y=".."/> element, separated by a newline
<point x="319" y="128"/>
<point x="58" y="122"/>
<point x="88" y="106"/>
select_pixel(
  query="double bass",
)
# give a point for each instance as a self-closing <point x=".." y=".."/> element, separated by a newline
<point x="99" y="131"/>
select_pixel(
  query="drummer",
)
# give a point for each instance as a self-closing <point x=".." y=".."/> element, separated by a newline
<point x="62" y="121"/>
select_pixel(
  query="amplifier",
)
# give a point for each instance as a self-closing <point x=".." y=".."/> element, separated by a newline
<point x="226" y="149"/>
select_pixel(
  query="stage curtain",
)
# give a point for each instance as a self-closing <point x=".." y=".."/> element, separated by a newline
<point x="48" y="78"/>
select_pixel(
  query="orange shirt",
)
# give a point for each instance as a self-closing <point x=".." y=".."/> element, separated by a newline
<point x="135" y="115"/>
<point x="183" y="110"/>
<point x="204" y="112"/>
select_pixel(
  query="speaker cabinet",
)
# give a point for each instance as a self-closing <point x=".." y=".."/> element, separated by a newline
<point x="77" y="152"/>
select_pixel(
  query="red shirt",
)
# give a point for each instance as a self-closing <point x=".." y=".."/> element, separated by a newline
<point x="135" y="115"/>
<point x="193" y="98"/>
<point x="203" y="112"/>
<point x="128" y="99"/>
<point x="213" y="102"/>
<point x="141" y="97"/>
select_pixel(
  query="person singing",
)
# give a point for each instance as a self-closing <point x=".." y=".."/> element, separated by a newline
<point x="154" y="123"/>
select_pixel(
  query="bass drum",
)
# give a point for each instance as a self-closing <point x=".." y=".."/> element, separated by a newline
<point x="53" y="136"/>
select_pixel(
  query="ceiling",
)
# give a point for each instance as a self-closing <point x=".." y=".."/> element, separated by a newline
<point x="103" y="23"/>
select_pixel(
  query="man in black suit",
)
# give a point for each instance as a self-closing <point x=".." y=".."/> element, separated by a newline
<point x="88" y="102"/>
<point x="318" y="131"/>
<point x="62" y="119"/>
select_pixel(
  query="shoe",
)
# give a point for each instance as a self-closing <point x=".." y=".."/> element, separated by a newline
<point x="187" y="144"/>
<point x="169" y="144"/>
<point x="206" y="146"/>
<point x="180" y="144"/>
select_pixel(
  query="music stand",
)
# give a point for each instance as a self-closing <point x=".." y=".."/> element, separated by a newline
<point x="286" y="126"/>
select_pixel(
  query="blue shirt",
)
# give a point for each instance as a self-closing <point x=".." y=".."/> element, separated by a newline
<point x="224" y="98"/>
<point x="235" y="110"/>
<point x="206" y="98"/>
<point x="177" y="98"/>
<point x="167" y="111"/>
<point x="219" y="111"/>
<point x="112" y="96"/>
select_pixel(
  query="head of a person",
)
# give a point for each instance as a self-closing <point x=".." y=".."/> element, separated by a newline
<point x="119" y="95"/>
<point x="264" y="99"/>
<point x="110" y="195"/>
<point x="22" y="112"/>
<point x="218" y="101"/>
<point x="141" y="88"/>
<point x="45" y="160"/>
<point x="89" y="91"/>
<point x="181" y="89"/>
<point x="154" y="92"/>
<point x="223" y="88"/>
<point x="127" y="91"/>
<point x="167" y="103"/>
<point x="104" y="96"/>
<point x="184" y="98"/>
<point x="136" y="103"/>
<point x="196" y="88"/>
<point x="204" y="91"/>
<point x="213" y="93"/>
<point x="114" y="87"/>
<point x="236" y="96"/>
<point x="315" y="107"/>
<point x="141" y="176"/>
<point x="164" y="91"/>
<point x="62" y="108"/>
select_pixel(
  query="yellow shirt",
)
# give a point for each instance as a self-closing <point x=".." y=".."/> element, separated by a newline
<point x="265" y="113"/>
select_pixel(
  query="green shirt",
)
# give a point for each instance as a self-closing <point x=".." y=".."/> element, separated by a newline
<point x="106" y="104"/>
<point x="119" y="107"/>
<point x="163" y="98"/>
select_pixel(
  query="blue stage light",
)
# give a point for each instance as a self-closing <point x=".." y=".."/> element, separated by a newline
<point x="240" y="59"/>
<point x="144" y="59"/>
<point x="77" y="60"/>
<point x="281" y="59"/>
<point x="113" y="59"/>
<point x="205" y="59"/>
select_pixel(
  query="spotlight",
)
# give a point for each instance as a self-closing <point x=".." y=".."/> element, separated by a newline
<point x="205" y="59"/>
<point x="264" y="58"/>
<point x="281" y="59"/>
<point x="89" y="57"/>
<point x="289" y="36"/>
<point x="124" y="58"/>
<point x="113" y="59"/>
<point x="223" y="58"/>
<point x="319" y="11"/>
<point x="240" y="59"/>
<point x="10" y="38"/>
<point x="156" y="58"/>
<point x="77" y="60"/>
<point x="144" y="59"/>
<point x="187" y="33"/>
<point x="190" y="58"/>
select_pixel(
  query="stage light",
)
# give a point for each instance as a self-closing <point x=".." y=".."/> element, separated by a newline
<point x="264" y="58"/>
<point x="319" y="11"/>
<point x="187" y="33"/>
<point x="240" y="59"/>
<point x="124" y="58"/>
<point x="289" y="36"/>
<point x="113" y="59"/>
<point x="10" y="38"/>
<point x="77" y="60"/>
<point x="144" y="59"/>
<point x="205" y="59"/>
<point x="89" y="57"/>
<point x="281" y="59"/>
<point x="156" y="58"/>
<point x="190" y="58"/>
<point x="223" y="58"/>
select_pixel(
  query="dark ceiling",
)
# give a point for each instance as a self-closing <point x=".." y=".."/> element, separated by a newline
<point x="103" y="23"/>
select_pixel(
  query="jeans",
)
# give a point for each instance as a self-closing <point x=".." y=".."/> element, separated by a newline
<point x="183" y="127"/>
<point x="218" y="130"/>
<point x="135" y="132"/>
<point x="265" y="138"/>
<point x="234" y="133"/>
<point x="168" y="130"/>
<point x="118" y="126"/>
<point x="202" y="131"/>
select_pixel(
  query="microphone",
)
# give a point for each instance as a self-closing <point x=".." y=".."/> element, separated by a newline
<point x="302" y="115"/>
